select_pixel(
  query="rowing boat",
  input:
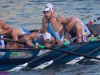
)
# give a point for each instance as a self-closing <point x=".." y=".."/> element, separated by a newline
<point x="10" y="58"/>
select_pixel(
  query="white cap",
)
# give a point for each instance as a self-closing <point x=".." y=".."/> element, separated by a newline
<point x="48" y="7"/>
<point x="47" y="36"/>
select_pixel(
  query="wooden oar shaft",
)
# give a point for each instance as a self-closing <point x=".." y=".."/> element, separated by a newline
<point x="85" y="17"/>
<point x="74" y="53"/>
<point x="98" y="48"/>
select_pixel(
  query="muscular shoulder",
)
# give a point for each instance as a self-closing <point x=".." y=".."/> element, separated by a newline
<point x="61" y="18"/>
<point x="44" y="20"/>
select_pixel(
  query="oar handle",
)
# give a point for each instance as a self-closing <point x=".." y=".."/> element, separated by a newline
<point x="74" y="38"/>
<point x="71" y="40"/>
<point x="92" y="21"/>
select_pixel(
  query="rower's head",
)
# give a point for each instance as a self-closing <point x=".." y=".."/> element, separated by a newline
<point x="48" y="11"/>
<point x="46" y="37"/>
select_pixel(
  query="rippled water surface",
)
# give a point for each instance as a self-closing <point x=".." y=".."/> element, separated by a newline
<point x="28" y="14"/>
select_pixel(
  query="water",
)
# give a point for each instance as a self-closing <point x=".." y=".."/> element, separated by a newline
<point x="28" y="14"/>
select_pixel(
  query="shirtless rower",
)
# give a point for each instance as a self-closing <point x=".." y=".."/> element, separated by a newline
<point x="14" y="32"/>
<point x="56" y="24"/>
<point x="42" y="39"/>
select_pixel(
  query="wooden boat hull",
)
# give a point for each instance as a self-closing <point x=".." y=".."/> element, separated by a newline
<point x="12" y="58"/>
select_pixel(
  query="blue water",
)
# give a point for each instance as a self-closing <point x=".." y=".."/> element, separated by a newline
<point x="28" y="14"/>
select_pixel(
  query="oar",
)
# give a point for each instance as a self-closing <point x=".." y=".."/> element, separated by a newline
<point x="6" y="39"/>
<point x="51" y="61"/>
<point x="92" y="21"/>
<point x="74" y="53"/>
<point x="85" y="17"/>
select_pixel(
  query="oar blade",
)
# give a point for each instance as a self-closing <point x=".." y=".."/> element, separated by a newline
<point x="19" y="67"/>
<point x="75" y="60"/>
<point x="42" y="66"/>
<point x="96" y="59"/>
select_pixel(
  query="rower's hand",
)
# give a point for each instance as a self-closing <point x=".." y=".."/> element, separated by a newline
<point x="47" y="44"/>
<point x="59" y="42"/>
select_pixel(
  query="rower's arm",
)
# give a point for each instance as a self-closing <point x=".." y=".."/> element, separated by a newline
<point x="6" y="28"/>
<point x="29" y="38"/>
<point x="78" y="32"/>
<point x="44" y="25"/>
<point x="53" y="41"/>
<point x="29" y="43"/>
